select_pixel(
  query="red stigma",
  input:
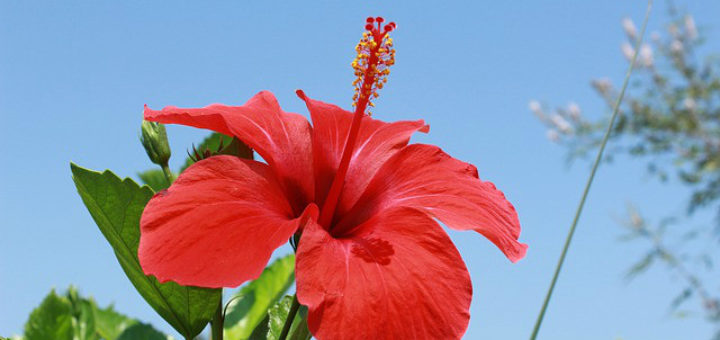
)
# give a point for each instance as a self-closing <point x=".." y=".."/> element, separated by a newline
<point x="376" y="28"/>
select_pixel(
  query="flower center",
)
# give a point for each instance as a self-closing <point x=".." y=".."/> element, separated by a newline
<point x="375" y="55"/>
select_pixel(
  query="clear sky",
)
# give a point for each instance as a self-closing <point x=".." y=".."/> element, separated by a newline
<point x="74" y="76"/>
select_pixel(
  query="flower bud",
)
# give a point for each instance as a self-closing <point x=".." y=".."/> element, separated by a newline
<point x="636" y="221"/>
<point x="628" y="51"/>
<point x="561" y="124"/>
<point x="676" y="46"/>
<point x="655" y="36"/>
<point x="690" y="28"/>
<point x="646" y="56"/>
<point x="154" y="138"/>
<point x="602" y="85"/>
<point x="536" y="109"/>
<point x="552" y="135"/>
<point x="573" y="111"/>
<point x="629" y="28"/>
<point x="689" y="104"/>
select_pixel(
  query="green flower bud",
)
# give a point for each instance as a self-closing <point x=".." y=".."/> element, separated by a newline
<point x="154" y="138"/>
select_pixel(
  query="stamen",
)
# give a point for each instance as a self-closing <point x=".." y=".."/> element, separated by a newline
<point x="375" y="55"/>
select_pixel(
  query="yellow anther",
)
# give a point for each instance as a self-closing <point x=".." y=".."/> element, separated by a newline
<point x="374" y="55"/>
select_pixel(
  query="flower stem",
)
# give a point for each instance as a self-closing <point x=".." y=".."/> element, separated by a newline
<point x="168" y="173"/>
<point x="294" y="307"/>
<point x="598" y="158"/>
<point x="216" y="325"/>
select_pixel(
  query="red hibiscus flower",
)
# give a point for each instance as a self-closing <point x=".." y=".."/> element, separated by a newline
<point x="372" y="262"/>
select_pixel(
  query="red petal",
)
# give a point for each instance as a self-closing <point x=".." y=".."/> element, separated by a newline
<point x="217" y="225"/>
<point x="281" y="138"/>
<point x="376" y="142"/>
<point x="426" y="178"/>
<point x="397" y="276"/>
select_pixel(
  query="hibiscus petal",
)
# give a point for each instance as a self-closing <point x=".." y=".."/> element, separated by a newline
<point x="217" y="225"/>
<point x="424" y="177"/>
<point x="397" y="276"/>
<point x="281" y="138"/>
<point x="376" y="142"/>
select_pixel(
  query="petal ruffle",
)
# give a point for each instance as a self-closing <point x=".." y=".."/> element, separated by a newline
<point x="376" y="142"/>
<point x="217" y="225"/>
<point x="281" y="138"/>
<point x="426" y="178"/>
<point x="397" y="276"/>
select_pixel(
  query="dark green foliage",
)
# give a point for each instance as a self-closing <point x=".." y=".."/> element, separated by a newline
<point x="72" y="317"/>
<point x="155" y="179"/>
<point x="278" y="316"/>
<point x="116" y="206"/>
<point x="247" y="311"/>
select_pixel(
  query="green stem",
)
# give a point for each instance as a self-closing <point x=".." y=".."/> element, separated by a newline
<point x="216" y="325"/>
<point x="598" y="158"/>
<point x="290" y="318"/>
<point x="168" y="174"/>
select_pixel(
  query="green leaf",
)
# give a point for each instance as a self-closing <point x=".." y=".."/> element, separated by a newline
<point x="247" y="309"/>
<point x="237" y="148"/>
<point x="642" y="265"/>
<point x="63" y="317"/>
<point x="109" y="324"/>
<point x="261" y="330"/>
<point x="51" y="320"/>
<point x="142" y="331"/>
<point x="300" y="330"/>
<point x="155" y="178"/>
<point x="116" y="206"/>
<point x="682" y="297"/>
<point x="83" y="312"/>
<point x="278" y="314"/>
<point x="71" y="316"/>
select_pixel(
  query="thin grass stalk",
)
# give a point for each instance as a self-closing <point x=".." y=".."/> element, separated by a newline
<point x="595" y="166"/>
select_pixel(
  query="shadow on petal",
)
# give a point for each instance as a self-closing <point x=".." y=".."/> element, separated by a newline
<point x="373" y="250"/>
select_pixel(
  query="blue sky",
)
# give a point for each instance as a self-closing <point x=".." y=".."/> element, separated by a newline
<point x="75" y="75"/>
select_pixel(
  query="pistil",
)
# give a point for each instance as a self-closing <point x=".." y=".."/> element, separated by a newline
<point x="375" y="56"/>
